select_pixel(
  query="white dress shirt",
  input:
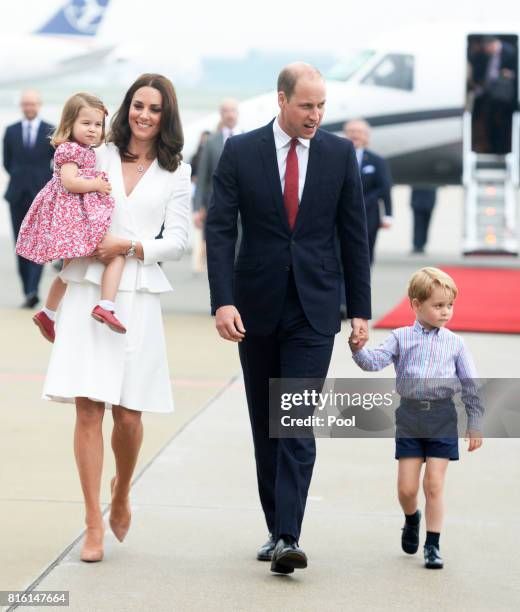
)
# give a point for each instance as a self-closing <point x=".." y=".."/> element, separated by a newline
<point x="282" y="142"/>
<point x="33" y="126"/>
<point x="228" y="132"/>
<point x="493" y="67"/>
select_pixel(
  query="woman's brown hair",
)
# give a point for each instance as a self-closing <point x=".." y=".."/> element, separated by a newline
<point x="69" y="114"/>
<point x="170" y="139"/>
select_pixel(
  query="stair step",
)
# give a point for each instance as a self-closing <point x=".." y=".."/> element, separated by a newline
<point x="491" y="175"/>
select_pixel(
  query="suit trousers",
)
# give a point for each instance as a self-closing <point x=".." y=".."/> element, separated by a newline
<point x="421" y="225"/>
<point x="284" y="466"/>
<point x="29" y="272"/>
<point x="422" y="202"/>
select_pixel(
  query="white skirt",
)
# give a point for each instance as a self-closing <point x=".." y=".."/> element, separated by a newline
<point x="90" y="360"/>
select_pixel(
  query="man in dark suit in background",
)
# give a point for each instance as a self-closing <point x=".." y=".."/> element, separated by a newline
<point x="209" y="157"/>
<point x="493" y="80"/>
<point x="27" y="159"/>
<point x="297" y="188"/>
<point x="376" y="180"/>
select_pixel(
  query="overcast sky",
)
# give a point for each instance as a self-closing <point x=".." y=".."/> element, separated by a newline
<point x="231" y="27"/>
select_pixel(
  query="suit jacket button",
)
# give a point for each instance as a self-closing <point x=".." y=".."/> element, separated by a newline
<point x="293" y="242"/>
<point x="287" y="268"/>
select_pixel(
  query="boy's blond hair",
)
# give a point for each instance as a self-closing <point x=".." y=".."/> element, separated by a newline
<point x="69" y="114"/>
<point x="422" y="283"/>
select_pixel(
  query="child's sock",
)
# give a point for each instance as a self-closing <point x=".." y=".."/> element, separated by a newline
<point x="432" y="538"/>
<point x="107" y="305"/>
<point x="413" y="519"/>
<point x="50" y="313"/>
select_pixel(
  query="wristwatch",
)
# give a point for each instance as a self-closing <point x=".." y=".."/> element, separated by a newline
<point x="131" y="250"/>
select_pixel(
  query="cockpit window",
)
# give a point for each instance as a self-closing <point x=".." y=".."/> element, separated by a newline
<point x="394" y="70"/>
<point x="350" y="64"/>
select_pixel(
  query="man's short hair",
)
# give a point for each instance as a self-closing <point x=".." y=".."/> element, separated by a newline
<point x="359" y="120"/>
<point x="289" y="76"/>
<point x="422" y="283"/>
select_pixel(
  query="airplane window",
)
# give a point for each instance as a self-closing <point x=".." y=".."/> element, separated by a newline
<point x="350" y="64"/>
<point x="394" y="70"/>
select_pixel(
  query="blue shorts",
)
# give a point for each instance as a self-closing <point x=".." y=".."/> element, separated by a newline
<point x="426" y="430"/>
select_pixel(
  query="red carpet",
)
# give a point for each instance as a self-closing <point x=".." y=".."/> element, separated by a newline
<point x="488" y="301"/>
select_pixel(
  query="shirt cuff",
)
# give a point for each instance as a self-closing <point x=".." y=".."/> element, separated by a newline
<point x="360" y="356"/>
<point x="475" y="423"/>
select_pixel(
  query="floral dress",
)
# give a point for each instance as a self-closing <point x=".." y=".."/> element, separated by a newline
<point x="61" y="224"/>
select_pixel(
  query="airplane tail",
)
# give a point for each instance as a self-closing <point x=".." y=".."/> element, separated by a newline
<point x="76" y="18"/>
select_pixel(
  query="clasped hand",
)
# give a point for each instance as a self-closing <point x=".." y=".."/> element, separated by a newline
<point x="109" y="247"/>
<point x="359" y="335"/>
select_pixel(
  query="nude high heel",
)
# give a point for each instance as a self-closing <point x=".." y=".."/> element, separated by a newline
<point x="92" y="550"/>
<point x="119" y="528"/>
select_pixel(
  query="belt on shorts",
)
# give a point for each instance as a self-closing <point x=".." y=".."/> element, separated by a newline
<point x="426" y="404"/>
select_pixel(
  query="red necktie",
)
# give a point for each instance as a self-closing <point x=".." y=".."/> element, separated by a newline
<point x="290" y="192"/>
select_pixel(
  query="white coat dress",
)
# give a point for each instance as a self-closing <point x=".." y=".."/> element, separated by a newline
<point x="90" y="360"/>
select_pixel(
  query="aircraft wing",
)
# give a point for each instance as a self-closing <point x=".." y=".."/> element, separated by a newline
<point x="83" y="61"/>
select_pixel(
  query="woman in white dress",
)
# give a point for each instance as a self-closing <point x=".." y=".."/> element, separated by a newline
<point x="91" y="365"/>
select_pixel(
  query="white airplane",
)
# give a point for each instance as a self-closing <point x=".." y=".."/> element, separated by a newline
<point x="64" y="45"/>
<point x="411" y="88"/>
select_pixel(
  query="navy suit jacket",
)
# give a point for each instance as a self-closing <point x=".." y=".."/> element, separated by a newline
<point x="28" y="168"/>
<point x="377" y="181"/>
<point x="247" y="180"/>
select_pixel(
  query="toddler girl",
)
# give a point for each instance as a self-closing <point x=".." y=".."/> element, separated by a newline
<point x="72" y="213"/>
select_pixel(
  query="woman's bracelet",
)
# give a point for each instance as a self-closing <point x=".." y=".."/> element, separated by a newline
<point x="131" y="250"/>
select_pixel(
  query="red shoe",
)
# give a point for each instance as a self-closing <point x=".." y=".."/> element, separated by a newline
<point x="108" y="317"/>
<point x="45" y="324"/>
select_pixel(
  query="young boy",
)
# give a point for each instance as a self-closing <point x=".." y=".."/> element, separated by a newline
<point x="422" y="354"/>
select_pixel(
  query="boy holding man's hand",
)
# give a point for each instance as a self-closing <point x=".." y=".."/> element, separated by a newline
<point x="431" y="364"/>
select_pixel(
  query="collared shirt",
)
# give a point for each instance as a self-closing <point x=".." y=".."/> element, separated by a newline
<point x="359" y="156"/>
<point x="228" y="132"/>
<point x="493" y="67"/>
<point x="33" y="126"/>
<point x="421" y="358"/>
<point x="282" y="142"/>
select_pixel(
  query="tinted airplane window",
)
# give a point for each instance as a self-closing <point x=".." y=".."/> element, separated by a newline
<point x="350" y="64"/>
<point x="394" y="70"/>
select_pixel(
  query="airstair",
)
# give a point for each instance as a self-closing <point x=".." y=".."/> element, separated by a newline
<point x="491" y="185"/>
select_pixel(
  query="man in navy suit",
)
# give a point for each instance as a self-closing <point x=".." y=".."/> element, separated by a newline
<point x="296" y="188"/>
<point x="494" y="81"/>
<point x="27" y="159"/>
<point x="376" y="180"/>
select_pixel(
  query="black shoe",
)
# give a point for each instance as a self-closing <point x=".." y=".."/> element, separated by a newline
<point x="31" y="301"/>
<point x="410" y="537"/>
<point x="265" y="552"/>
<point x="432" y="558"/>
<point x="287" y="556"/>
